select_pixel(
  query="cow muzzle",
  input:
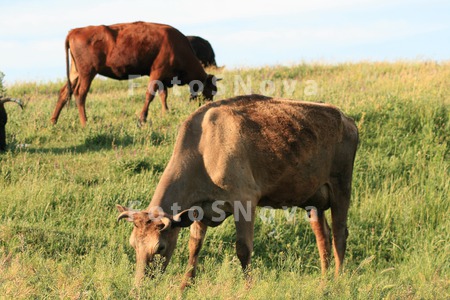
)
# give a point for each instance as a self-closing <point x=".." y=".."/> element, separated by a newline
<point x="150" y="267"/>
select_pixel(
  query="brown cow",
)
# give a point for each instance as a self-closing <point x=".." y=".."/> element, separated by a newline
<point x="4" y="120"/>
<point x="234" y="155"/>
<point x="131" y="49"/>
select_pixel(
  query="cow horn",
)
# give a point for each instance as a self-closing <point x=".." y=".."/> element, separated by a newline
<point x="167" y="223"/>
<point x="4" y="100"/>
<point x="126" y="214"/>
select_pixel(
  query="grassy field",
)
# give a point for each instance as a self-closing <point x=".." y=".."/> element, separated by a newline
<point x="59" y="185"/>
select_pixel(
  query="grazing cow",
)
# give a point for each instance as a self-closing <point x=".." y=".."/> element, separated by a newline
<point x="203" y="51"/>
<point x="233" y="155"/>
<point x="131" y="49"/>
<point x="4" y="120"/>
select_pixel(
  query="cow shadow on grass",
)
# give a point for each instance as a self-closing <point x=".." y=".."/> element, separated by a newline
<point x="92" y="143"/>
<point x="55" y="243"/>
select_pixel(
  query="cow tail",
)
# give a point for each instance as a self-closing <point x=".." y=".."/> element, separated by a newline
<point x="69" y="85"/>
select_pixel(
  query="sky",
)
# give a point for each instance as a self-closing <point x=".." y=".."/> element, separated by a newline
<point x="243" y="33"/>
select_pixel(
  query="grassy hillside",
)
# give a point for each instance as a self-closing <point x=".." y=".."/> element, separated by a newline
<point x="59" y="185"/>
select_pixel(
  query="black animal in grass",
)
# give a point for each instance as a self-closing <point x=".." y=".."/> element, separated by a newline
<point x="4" y="120"/>
<point x="203" y="51"/>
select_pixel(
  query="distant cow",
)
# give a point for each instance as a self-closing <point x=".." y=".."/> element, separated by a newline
<point x="4" y="120"/>
<point x="131" y="49"/>
<point x="203" y="51"/>
<point x="236" y="154"/>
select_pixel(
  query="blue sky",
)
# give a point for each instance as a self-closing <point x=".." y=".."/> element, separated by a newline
<point x="242" y="33"/>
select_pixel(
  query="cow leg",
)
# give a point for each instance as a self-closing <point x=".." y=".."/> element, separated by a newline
<point x="322" y="232"/>
<point x="80" y="94"/>
<point x="244" y="222"/>
<point x="339" y="210"/>
<point x="153" y="87"/>
<point x="63" y="98"/>
<point x="198" y="232"/>
<point x="64" y="94"/>
<point x="163" y="97"/>
<point x="2" y="135"/>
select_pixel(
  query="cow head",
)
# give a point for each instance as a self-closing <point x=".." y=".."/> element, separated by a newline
<point x="210" y="87"/>
<point x="154" y="236"/>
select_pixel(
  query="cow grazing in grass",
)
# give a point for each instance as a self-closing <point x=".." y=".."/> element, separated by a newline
<point x="4" y="120"/>
<point x="233" y="155"/>
<point x="131" y="49"/>
<point x="203" y="51"/>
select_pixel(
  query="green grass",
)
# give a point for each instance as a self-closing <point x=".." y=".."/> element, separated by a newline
<point x="59" y="185"/>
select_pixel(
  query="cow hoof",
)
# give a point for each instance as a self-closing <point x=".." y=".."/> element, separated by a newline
<point x="140" y="122"/>
<point x="186" y="283"/>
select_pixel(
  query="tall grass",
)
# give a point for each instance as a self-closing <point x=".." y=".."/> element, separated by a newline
<point x="59" y="185"/>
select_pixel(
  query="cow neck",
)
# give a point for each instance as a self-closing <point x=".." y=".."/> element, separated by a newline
<point x="176" y="186"/>
<point x="198" y="73"/>
<point x="185" y="180"/>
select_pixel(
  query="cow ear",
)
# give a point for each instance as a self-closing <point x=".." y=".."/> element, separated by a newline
<point x="185" y="218"/>
<point x="124" y="213"/>
<point x="212" y="79"/>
